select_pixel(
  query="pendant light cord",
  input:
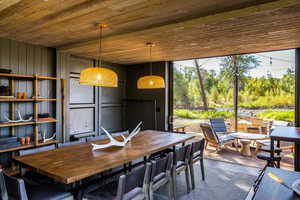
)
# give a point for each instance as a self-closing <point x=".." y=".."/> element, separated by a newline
<point x="150" y="59"/>
<point x="100" y="45"/>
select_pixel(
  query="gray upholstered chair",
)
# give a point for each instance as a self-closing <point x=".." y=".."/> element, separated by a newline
<point x="31" y="176"/>
<point x="181" y="163"/>
<point x="161" y="174"/>
<point x="196" y="155"/>
<point x="218" y="141"/>
<point x="36" y="150"/>
<point x="132" y="185"/>
<point x="16" y="190"/>
<point x="59" y="145"/>
<point x="92" y="139"/>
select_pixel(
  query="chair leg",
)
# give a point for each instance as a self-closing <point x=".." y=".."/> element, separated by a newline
<point x="192" y="175"/>
<point x="171" y="192"/>
<point x="151" y="193"/>
<point x="174" y="182"/>
<point x="202" y="168"/>
<point x="187" y="178"/>
<point x="206" y="144"/>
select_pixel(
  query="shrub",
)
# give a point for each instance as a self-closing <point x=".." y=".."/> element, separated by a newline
<point x="277" y="115"/>
<point x="196" y="114"/>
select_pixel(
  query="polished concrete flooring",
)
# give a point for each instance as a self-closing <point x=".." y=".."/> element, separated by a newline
<point x="223" y="181"/>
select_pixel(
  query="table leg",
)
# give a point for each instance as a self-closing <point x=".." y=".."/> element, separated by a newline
<point x="297" y="156"/>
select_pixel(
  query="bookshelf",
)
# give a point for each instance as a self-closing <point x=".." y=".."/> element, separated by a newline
<point x="13" y="78"/>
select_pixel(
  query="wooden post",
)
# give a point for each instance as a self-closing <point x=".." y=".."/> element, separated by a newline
<point x="12" y="105"/>
<point x="236" y="91"/>
<point x="36" y="110"/>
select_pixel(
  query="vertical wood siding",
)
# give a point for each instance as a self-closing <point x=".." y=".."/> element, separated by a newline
<point x="28" y="59"/>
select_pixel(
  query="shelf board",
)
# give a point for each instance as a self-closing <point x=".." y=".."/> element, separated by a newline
<point x="27" y="146"/>
<point x="46" y="121"/>
<point x="3" y="124"/>
<point x="26" y="100"/>
<point x="6" y="124"/>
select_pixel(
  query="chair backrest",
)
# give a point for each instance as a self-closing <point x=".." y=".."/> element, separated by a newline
<point x="15" y="187"/>
<point x="183" y="153"/>
<point x="3" y="190"/>
<point x="59" y="145"/>
<point x="198" y="147"/>
<point x="36" y="150"/>
<point x="120" y="133"/>
<point x="92" y="139"/>
<point x="162" y="165"/>
<point x="139" y="177"/>
<point x="209" y="134"/>
<point x="218" y="125"/>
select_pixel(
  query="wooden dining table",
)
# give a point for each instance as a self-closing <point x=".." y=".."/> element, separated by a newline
<point x="74" y="163"/>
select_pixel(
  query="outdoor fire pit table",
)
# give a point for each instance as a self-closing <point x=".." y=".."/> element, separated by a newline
<point x="246" y="139"/>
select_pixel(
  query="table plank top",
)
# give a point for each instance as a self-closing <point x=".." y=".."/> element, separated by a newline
<point x="269" y="189"/>
<point x="249" y="136"/>
<point x="72" y="163"/>
<point x="286" y="133"/>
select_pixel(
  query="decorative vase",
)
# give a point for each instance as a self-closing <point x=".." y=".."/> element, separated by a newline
<point x="27" y="140"/>
<point x="19" y="95"/>
<point x="22" y="140"/>
<point x="24" y="95"/>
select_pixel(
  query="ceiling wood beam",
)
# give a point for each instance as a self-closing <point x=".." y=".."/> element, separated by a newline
<point x="181" y="25"/>
<point x="7" y="3"/>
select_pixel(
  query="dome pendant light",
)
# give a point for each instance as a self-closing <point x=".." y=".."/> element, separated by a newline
<point x="99" y="76"/>
<point x="151" y="81"/>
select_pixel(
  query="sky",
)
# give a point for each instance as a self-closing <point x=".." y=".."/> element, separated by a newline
<point x="275" y="63"/>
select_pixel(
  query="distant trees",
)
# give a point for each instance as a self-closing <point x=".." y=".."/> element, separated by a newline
<point x="192" y="90"/>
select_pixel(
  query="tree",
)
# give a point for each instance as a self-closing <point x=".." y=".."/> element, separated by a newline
<point x="245" y="63"/>
<point x="201" y="84"/>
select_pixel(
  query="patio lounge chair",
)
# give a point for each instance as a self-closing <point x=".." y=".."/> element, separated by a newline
<point x="213" y="139"/>
<point x="218" y="125"/>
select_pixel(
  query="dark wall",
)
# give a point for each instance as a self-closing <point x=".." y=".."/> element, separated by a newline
<point x="89" y="108"/>
<point x="28" y="59"/>
<point x="159" y="95"/>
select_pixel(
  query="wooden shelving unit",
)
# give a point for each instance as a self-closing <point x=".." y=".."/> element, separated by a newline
<point x="35" y="122"/>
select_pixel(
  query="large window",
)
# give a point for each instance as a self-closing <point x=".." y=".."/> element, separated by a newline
<point x="205" y="88"/>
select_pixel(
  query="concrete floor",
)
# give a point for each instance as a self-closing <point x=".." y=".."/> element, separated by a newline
<point x="223" y="181"/>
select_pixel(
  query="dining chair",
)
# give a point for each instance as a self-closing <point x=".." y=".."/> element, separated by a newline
<point x="17" y="190"/>
<point x="36" y="150"/>
<point x="132" y="185"/>
<point x="3" y="190"/>
<point x="95" y="138"/>
<point x="59" y="145"/>
<point x="161" y="174"/>
<point x="213" y="139"/>
<point x="181" y="163"/>
<point x="32" y="176"/>
<point x="197" y="155"/>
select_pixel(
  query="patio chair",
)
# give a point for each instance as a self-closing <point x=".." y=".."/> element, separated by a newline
<point x="181" y="163"/>
<point x="218" y="125"/>
<point x="16" y="189"/>
<point x="196" y="155"/>
<point x="132" y="185"/>
<point x="213" y="139"/>
<point x="161" y="174"/>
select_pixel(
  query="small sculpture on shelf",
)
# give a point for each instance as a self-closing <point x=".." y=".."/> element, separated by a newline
<point x="18" y="120"/>
<point x="44" y="136"/>
<point x="114" y="142"/>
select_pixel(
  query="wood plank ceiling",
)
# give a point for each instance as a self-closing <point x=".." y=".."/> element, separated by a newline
<point x="180" y="29"/>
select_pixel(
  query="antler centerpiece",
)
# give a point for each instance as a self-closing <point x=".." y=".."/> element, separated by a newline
<point x="114" y="142"/>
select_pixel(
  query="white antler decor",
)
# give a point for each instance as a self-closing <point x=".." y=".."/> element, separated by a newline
<point x="19" y="120"/>
<point x="114" y="142"/>
<point x="44" y="139"/>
